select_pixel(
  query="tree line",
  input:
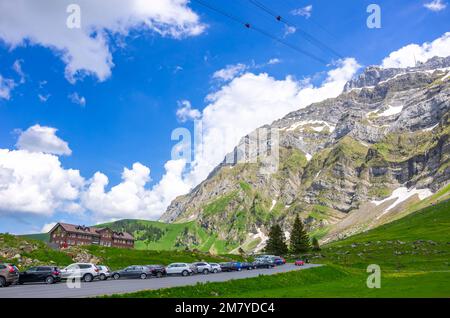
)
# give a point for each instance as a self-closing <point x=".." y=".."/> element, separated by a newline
<point x="299" y="241"/>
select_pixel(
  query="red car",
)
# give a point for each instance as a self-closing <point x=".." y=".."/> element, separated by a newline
<point x="299" y="263"/>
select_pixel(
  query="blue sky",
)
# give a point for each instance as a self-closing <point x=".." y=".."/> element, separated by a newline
<point x="129" y="116"/>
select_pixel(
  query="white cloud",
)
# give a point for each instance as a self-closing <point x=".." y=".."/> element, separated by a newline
<point x="436" y="5"/>
<point x="77" y="99"/>
<point x="130" y="198"/>
<point x="35" y="183"/>
<point x="185" y="112"/>
<point x="408" y="55"/>
<point x="87" y="49"/>
<point x="43" y="98"/>
<point x="47" y="227"/>
<point x="304" y="12"/>
<point x="42" y="139"/>
<point x="230" y="72"/>
<point x="6" y="86"/>
<point x="17" y="67"/>
<point x="289" y="30"/>
<point x="274" y="61"/>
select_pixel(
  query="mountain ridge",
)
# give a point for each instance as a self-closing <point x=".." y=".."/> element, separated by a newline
<point x="335" y="157"/>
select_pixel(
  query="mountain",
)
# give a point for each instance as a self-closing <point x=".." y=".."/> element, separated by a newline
<point x="371" y="155"/>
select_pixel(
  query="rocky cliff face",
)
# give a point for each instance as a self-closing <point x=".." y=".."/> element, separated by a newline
<point x="388" y="130"/>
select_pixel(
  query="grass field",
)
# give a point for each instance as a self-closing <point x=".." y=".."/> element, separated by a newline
<point x="413" y="254"/>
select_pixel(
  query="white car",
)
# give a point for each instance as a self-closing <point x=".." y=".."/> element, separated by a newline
<point x="203" y="267"/>
<point x="103" y="272"/>
<point x="87" y="272"/>
<point x="183" y="269"/>
<point x="215" y="268"/>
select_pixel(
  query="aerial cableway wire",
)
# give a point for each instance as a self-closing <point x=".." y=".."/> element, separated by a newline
<point x="306" y="35"/>
<point x="261" y="31"/>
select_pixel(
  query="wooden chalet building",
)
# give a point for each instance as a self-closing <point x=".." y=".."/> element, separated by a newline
<point x="64" y="235"/>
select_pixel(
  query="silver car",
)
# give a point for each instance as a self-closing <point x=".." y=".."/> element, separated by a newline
<point x="104" y="272"/>
<point x="215" y="268"/>
<point x="87" y="272"/>
<point x="203" y="267"/>
<point x="183" y="269"/>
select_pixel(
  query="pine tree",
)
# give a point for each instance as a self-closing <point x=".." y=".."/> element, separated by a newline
<point x="315" y="244"/>
<point x="276" y="244"/>
<point x="299" y="242"/>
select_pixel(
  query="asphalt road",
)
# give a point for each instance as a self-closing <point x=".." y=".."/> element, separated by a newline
<point x="98" y="288"/>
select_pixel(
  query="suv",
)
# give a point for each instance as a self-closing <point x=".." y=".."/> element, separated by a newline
<point x="40" y="274"/>
<point x="157" y="270"/>
<point x="203" y="267"/>
<point x="135" y="271"/>
<point x="183" y="269"/>
<point x="263" y="263"/>
<point x="9" y="274"/>
<point x="104" y="272"/>
<point x="215" y="268"/>
<point x="87" y="272"/>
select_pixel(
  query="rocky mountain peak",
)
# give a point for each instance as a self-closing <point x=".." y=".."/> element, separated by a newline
<point x="373" y="75"/>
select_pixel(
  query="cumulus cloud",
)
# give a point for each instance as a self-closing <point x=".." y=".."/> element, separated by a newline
<point x="42" y="139"/>
<point x="86" y="50"/>
<point x="436" y="5"/>
<point x="304" y="12"/>
<point x="77" y="99"/>
<point x="130" y="198"/>
<point x="36" y="183"/>
<point x="230" y="72"/>
<point x="185" y="112"/>
<point x="6" y="86"/>
<point x="408" y="55"/>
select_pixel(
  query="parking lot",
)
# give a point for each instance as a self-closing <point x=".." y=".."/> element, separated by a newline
<point x="108" y="287"/>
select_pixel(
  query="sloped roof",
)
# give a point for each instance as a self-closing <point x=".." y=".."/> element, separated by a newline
<point x="81" y="229"/>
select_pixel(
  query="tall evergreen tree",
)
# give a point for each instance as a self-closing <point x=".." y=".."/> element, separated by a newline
<point x="299" y="242"/>
<point x="276" y="244"/>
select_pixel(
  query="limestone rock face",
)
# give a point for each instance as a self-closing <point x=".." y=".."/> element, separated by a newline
<point x="388" y="129"/>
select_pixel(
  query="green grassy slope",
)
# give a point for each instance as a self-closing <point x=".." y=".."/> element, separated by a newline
<point x="153" y="235"/>
<point x="413" y="254"/>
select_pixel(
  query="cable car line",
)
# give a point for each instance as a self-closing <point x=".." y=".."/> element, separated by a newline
<point x="261" y="31"/>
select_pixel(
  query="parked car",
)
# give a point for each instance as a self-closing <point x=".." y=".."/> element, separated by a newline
<point x="230" y="266"/>
<point x="247" y="265"/>
<point x="9" y="275"/>
<point x="203" y="267"/>
<point x="299" y="263"/>
<point x="134" y="271"/>
<point x="183" y="269"/>
<point x="278" y="260"/>
<point x="40" y="274"/>
<point x="215" y="268"/>
<point x="263" y="263"/>
<point x="87" y="272"/>
<point x="157" y="270"/>
<point x="104" y="272"/>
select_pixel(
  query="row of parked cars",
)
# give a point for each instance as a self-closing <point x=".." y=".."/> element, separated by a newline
<point x="9" y="274"/>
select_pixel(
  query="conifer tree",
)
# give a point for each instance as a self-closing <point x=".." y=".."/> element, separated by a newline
<point x="299" y="241"/>
<point x="276" y="244"/>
